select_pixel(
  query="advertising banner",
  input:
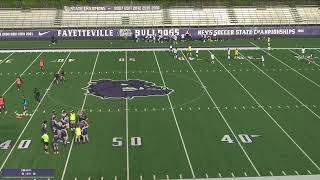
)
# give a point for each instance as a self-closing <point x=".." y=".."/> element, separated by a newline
<point x="112" y="8"/>
<point x="195" y="33"/>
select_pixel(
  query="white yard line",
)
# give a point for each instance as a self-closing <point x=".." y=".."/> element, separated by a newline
<point x="127" y="123"/>
<point x="288" y="66"/>
<point x="224" y="119"/>
<point x="83" y="104"/>
<point x="21" y="74"/>
<point x="293" y="96"/>
<point x="25" y="127"/>
<point x="7" y="57"/>
<point x="271" y="117"/>
<point x="175" y="119"/>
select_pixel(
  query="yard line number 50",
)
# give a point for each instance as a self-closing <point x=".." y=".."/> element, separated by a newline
<point x="134" y="141"/>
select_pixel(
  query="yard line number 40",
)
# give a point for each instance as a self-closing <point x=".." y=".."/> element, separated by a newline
<point x="244" y="138"/>
<point x="24" y="144"/>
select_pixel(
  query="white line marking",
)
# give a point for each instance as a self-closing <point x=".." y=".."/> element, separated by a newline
<point x="284" y="173"/>
<point x="296" y="172"/>
<point x="140" y="177"/>
<point x="22" y="74"/>
<point x="167" y="176"/>
<point x="180" y="175"/>
<point x="220" y="175"/>
<point x="127" y="123"/>
<point x="288" y="67"/>
<point x="245" y="174"/>
<point x="84" y="102"/>
<point x="7" y="58"/>
<point x="89" y="178"/>
<point x="207" y="175"/>
<point x="154" y="177"/>
<point x="232" y="174"/>
<point x="102" y="178"/>
<point x="175" y="119"/>
<point x="224" y="119"/>
<point x="115" y="178"/>
<point x="309" y="172"/>
<point x="25" y="127"/>
<point x="271" y="173"/>
<point x="271" y="117"/>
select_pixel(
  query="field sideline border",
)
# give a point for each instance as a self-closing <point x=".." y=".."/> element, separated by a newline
<point x="140" y="49"/>
<point x="294" y="177"/>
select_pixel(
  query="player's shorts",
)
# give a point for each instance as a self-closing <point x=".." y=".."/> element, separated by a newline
<point x="55" y="143"/>
<point x="85" y="131"/>
<point x="46" y="143"/>
<point x="65" y="138"/>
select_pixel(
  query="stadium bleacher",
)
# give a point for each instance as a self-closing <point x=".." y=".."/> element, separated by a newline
<point x="181" y="17"/>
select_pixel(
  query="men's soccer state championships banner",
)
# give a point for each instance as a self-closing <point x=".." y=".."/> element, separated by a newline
<point x="195" y="33"/>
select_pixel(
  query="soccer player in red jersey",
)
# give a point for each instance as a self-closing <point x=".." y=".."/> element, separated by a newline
<point x="41" y="64"/>
<point x="2" y="104"/>
<point x="19" y="82"/>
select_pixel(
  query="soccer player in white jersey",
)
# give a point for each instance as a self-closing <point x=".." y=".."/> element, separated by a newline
<point x="197" y="53"/>
<point x="311" y="59"/>
<point x="175" y="39"/>
<point x="175" y="52"/>
<point x="229" y="52"/>
<point x="212" y="58"/>
<point x="303" y="51"/>
<point x="170" y="49"/>
<point x="262" y="60"/>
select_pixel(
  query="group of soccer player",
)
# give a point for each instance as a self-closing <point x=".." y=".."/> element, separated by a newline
<point x="77" y="124"/>
<point x="310" y="59"/>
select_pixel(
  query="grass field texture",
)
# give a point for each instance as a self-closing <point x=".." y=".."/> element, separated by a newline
<point x="230" y="118"/>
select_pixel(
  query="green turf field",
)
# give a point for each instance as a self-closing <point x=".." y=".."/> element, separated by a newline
<point x="230" y="118"/>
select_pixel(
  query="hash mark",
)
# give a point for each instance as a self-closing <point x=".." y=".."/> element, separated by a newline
<point x="284" y="173"/>
<point x="296" y="172"/>
<point x="220" y="175"/>
<point x="309" y="172"/>
<point x="115" y="178"/>
<point x="167" y="176"/>
<point x="207" y="175"/>
<point x="271" y="173"/>
<point x="232" y="174"/>
<point x="154" y="177"/>
<point x="140" y="177"/>
<point x="180" y="175"/>
<point x="245" y="174"/>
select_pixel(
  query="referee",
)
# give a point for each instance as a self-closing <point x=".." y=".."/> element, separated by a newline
<point x="45" y="140"/>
